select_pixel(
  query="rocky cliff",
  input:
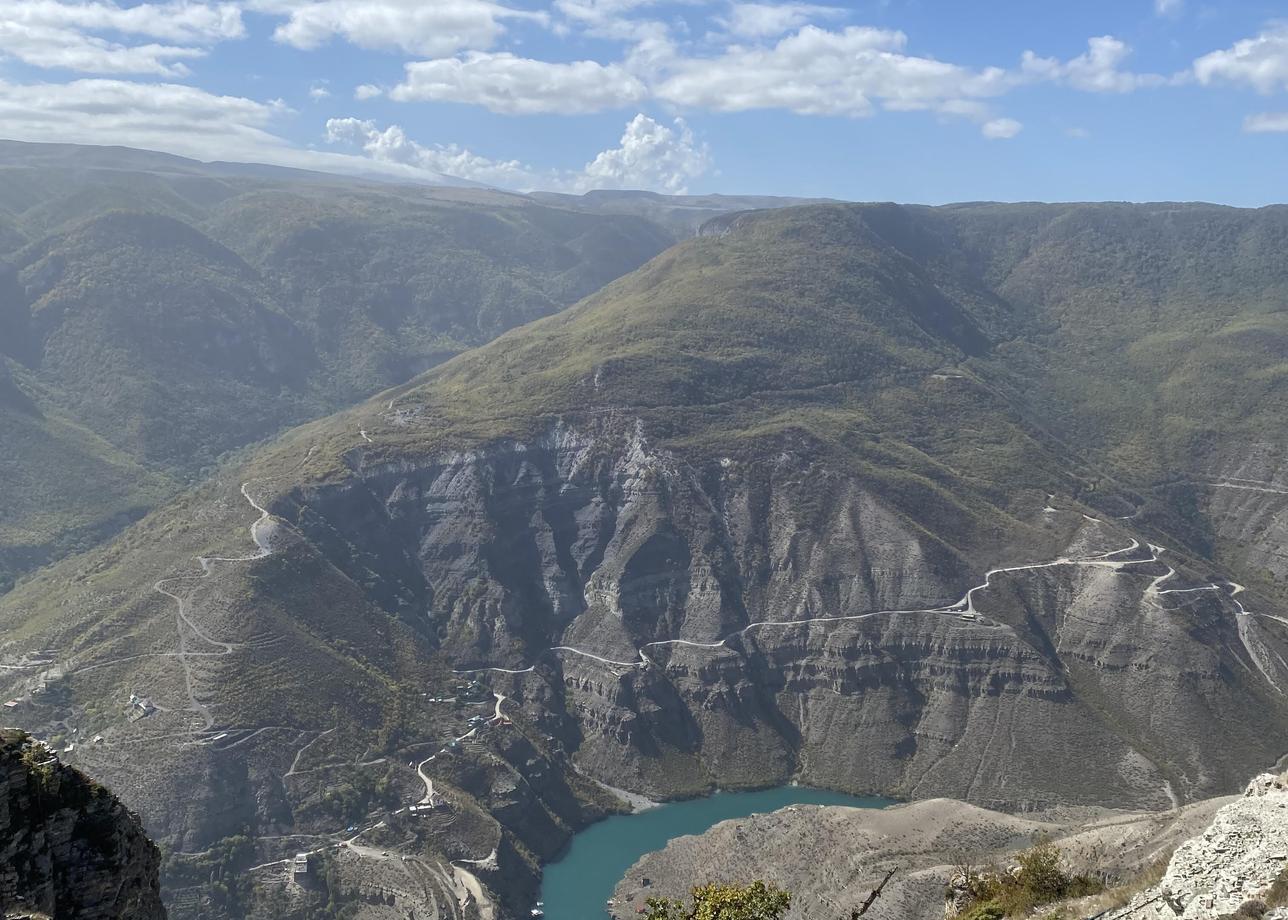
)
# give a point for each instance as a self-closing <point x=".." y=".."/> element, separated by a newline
<point x="686" y="626"/>
<point x="69" y="848"/>
<point x="1238" y="865"/>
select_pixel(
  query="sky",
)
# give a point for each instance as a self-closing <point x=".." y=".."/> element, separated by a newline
<point x="907" y="100"/>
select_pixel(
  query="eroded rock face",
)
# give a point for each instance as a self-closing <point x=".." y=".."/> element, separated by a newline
<point x="68" y="847"/>
<point x="687" y="626"/>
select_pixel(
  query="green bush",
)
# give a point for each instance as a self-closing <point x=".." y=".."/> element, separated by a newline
<point x="756" y="901"/>
<point x="1039" y="877"/>
<point x="989" y="911"/>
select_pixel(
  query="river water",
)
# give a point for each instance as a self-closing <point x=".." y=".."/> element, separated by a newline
<point x="578" y="885"/>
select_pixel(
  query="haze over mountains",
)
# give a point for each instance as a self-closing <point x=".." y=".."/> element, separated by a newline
<point x="156" y="313"/>
<point x="916" y="501"/>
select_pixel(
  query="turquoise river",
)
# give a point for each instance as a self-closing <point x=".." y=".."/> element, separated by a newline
<point x="580" y="883"/>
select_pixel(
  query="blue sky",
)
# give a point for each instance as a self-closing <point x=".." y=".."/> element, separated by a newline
<point x="906" y="100"/>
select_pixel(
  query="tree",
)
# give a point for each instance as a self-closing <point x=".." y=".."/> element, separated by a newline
<point x="756" y="901"/>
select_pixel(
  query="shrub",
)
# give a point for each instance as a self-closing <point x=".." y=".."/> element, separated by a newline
<point x="756" y="901"/>
<point x="989" y="911"/>
<point x="1039" y="877"/>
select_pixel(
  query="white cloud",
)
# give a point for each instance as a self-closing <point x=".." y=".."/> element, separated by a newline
<point x="1260" y="62"/>
<point x="428" y="27"/>
<point x="821" y="72"/>
<point x="157" y="116"/>
<point x="1169" y="7"/>
<point x="769" y="20"/>
<point x="54" y="34"/>
<point x="391" y="145"/>
<point x="849" y="72"/>
<point x="319" y="91"/>
<point x="650" y="44"/>
<point x="650" y="156"/>
<point x="1077" y="133"/>
<point x="367" y="91"/>
<point x="513" y="85"/>
<point x="169" y="117"/>
<point x="1001" y="128"/>
<point x="177" y="22"/>
<point x="72" y="50"/>
<point x="1266" y="123"/>
<point x="601" y="14"/>
<point x="1097" y="70"/>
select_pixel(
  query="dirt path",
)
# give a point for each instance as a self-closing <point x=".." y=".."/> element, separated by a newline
<point x="261" y="534"/>
<point x="964" y="606"/>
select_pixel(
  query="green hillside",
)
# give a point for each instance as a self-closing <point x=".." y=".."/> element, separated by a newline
<point x="172" y="312"/>
<point x="961" y="361"/>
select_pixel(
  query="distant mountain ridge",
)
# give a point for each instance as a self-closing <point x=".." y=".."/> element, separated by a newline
<point x="178" y="310"/>
<point x="156" y="313"/>
<point x="683" y="214"/>
<point x="26" y="154"/>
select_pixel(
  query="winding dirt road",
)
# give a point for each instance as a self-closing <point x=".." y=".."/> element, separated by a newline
<point x="261" y="534"/>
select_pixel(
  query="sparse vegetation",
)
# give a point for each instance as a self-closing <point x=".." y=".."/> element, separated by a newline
<point x="757" y="901"/>
<point x="1118" y="892"/>
<point x="1039" y="876"/>
<point x="353" y="793"/>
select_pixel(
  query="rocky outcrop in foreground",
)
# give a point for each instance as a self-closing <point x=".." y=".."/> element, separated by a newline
<point x="1233" y="865"/>
<point x="68" y="848"/>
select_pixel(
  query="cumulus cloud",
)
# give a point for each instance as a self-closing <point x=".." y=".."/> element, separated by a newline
<point x="392" y="145"/>
<point x="1169" y="7"/>
<point x="769" y="56"/>
<point x="848" y="72"/>
<point x="1097" y="70"/>
<point x="55" y="34"/>
<point x="428" y="27"/>
<point x="650" y="156"/>
<point x="769" y="20"/>
<point x="1266" y="123"/>
<point x="513" y="85"/>
<point x="822" y="72"/>
<point x="1260" y="62"/>
<point x="1001" y="128"/>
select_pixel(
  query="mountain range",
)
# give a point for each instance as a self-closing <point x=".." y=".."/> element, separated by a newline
<point x="903" y="500"/>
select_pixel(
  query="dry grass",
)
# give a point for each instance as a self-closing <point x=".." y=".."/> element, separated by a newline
<point x="1116" y="896"/>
